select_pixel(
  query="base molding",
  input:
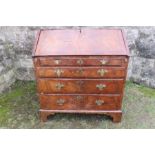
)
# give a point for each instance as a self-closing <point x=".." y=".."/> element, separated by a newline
<point x="115" y="114"/>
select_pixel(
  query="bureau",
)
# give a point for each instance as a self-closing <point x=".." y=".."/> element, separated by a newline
<point x="81" y="71"/>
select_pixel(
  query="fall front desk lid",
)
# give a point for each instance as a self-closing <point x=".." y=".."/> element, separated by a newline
<point x="81" y="42"/>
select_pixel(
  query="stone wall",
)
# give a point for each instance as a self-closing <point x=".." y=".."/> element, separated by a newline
<point x="16" y="45"/>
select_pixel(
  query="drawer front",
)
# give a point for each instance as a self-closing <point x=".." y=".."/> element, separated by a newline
<point x="50" y="61"/>
<point x="73" y="86"/>
<point x="83" y="72"/>
<point x="80" y="102"/>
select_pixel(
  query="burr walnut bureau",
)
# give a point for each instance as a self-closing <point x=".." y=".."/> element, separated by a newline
<point x="81" y="71"/>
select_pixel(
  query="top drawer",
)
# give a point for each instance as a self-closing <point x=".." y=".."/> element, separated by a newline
<point x="69" y="61"/>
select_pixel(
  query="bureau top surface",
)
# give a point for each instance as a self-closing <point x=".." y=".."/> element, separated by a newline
<point x="81" y="42"/>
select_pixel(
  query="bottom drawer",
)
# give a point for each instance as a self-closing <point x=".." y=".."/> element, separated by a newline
<point x="80" y="102"/>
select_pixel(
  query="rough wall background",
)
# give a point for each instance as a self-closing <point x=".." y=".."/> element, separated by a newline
<point x="16" y="45"/>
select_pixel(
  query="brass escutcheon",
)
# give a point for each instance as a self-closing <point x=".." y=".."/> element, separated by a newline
<point x="80" y="71"/>
<point x="57" y="62"/>
<point x="80" y="83"/>
<point x="58" y="72"/>
<point x="100" y="86"/>
<point x="60" y="101"/>
<point x="79" y="97"/>
<point x="99" y="102"/>
<point x="59" y="86"/>
<point x="80" y="61"/>
<point x="103" y="62"/>
<point x="102" y="72"/>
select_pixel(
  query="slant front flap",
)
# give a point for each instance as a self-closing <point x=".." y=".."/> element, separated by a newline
<point x="81" y="42"/>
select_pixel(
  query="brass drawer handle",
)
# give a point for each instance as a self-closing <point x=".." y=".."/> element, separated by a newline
<point x="100" y="86"/>
<point x="80" y="62"/>
<point x="102" y="72"/>
<point x="59" y="86"/>
<point x="58" y="72"/>
<point x="60" y="101"/>
<point x="57" y="62"/>
<point x="103" y="62"/>
<point x="99" y="102"/>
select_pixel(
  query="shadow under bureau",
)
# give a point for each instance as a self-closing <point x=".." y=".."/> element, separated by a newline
<point x="81" y="71"/>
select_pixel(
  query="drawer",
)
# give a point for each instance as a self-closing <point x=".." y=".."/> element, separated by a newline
<point x="80" y="102"/>
<point x="86" y="86"/>
<point x="99" y="61"/>
<point x="82" y="72"/>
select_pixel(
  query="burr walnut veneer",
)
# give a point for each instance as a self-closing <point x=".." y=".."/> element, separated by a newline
<point x="81" y="71"/>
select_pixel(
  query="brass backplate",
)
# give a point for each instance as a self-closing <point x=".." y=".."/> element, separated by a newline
<point x="60" y="101"/>
<point x="100" y="86"/>
<point x="102" y="72"/>
<point x="59" y="86"/>
<point x="99" y="102"/>
<point x="58" y="72"/>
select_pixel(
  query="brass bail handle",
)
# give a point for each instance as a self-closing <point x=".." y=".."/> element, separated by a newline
<point x="103" y="62"/>
<point x="59" y="86"/>
<point x="60" y="101"/>
<point x="102" y="72"/>
<point x="100" y="86"/>
<point x="99" y="102"/>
